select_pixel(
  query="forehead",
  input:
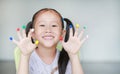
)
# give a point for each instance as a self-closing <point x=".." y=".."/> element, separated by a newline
<point x="48" y="15"/>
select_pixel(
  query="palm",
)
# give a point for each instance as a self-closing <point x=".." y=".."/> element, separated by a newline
<point x="25" y="44"/>
<point x="74" y="43"/>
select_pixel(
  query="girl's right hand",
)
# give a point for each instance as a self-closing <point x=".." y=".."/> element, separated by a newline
<point x="25" y="44"/>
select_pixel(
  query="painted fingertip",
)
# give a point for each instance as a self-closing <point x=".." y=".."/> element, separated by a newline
<point x="61" y="38"/>
<point x="36" y="42"/>
<point x="32" y="30"/>
<point x="87" y="36"/>
<point x="77" y="25"/>
<point x="84" y="27"/>
<point x="10" y="38"/>
<point x="62" y="19"/>
<point x="70" y="26"/>
<point x="24" y="27"/>
<point x="18" y="29"/>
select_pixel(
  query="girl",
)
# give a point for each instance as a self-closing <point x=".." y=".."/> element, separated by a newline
<point x="47" y="27"/>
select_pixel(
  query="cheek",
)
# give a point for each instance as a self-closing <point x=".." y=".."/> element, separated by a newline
<point x="37" y="33"/>
<point x="57" y="33"/>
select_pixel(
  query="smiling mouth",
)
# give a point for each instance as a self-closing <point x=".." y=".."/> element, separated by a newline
<point x="48" y="37"/>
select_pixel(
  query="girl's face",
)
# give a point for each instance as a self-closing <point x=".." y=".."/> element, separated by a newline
<point x="48" y="28"/>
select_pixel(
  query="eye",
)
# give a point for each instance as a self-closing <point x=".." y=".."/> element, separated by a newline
<point x="42" y="25"/>
<point x="55" y="25"/>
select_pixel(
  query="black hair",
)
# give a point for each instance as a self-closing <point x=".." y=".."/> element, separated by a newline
<point x="63" y="57"/>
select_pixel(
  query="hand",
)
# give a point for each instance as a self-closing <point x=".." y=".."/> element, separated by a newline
<point x="25" y="44"/>
<point x="74" y="43"/>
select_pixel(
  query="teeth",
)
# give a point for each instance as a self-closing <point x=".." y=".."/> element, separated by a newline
<point x="48" y="37"/>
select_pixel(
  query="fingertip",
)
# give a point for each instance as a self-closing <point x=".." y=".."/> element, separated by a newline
<point x="24" y="27"/>
<point x="18" y="29"/>
<point x="11" y="38"/>
<point x="84" y="27"/>
<point x="36" y="42"/>
<point x="77" y="26"/>
<point x="87" y="36"/>
<point x="61" y="38"/>
<point x="70" y="26"/>
<point x="32" y="30"/>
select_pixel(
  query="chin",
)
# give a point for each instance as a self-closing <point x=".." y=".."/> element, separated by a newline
<point x="49" y="44"/>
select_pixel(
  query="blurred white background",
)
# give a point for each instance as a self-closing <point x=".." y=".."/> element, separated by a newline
<point x="102" y="18"/>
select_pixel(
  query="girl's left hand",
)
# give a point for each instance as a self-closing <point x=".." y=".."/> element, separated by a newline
<point x="74" y="43"/>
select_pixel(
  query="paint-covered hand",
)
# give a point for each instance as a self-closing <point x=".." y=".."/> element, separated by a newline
<point x="72" y="46"/>
<point x="25" y="44"/>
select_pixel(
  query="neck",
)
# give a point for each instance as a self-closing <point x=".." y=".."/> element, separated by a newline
<point x="46" y="54"/>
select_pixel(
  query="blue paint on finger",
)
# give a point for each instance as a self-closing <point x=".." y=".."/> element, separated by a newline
<point x="10" y="38"/>
<point x="70" y="26"/>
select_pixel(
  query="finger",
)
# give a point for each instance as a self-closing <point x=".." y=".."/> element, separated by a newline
<point x="24" y="27"/>
<point x="76" y="31"/>
<point x="62" y="37"/>
<point x="63" y="44"/>
<point x="81" y="34"/>
<point x="13" y="40"/>
<point x="33" y="47"/>
<point x="62" y="41"/>
<point x="19" y="34"/>
<point x="23" y="33"/>
<point x="30" y="33"/>
<point x="16" y="42"/>
<point x="84" y="39"/>
<point x="36" y="42"/>
<point x="71" y="31"/>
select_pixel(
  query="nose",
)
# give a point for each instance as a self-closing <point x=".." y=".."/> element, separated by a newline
<point x="48" y="29"/>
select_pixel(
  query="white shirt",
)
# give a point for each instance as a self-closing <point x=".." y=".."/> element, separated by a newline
<point x="37" y="66"/>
